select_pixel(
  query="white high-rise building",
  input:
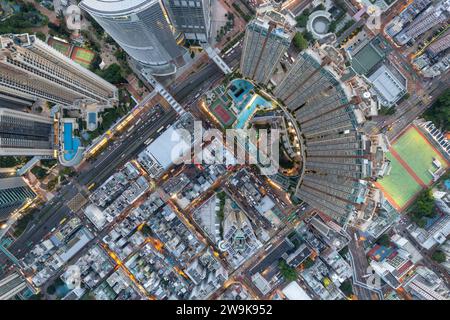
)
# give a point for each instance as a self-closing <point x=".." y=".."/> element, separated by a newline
<point x="267" y="38"/>
<point x="32" y="70"/>
<point x="143" y="29"/>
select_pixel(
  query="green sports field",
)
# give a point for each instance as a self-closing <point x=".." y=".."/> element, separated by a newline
<point x="83" y="56"/>
<point x="62" y="47"/>
<point x="398" y="186"/>
<point x="417" y="152"/>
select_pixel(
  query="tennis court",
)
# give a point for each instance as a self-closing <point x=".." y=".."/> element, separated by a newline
<point x="60" y="46"/>
<point x="225" y="117"/>
<point x="398" y="187"/>
<point x="83" y="56"/>
<point x="418" y="153"/>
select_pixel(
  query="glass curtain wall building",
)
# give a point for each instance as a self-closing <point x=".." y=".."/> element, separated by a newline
<point x="143" y="29"/>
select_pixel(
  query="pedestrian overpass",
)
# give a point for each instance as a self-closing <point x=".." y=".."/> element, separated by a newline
<point x="214" y="56"/>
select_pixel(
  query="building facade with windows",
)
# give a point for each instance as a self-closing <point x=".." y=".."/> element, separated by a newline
<point x="338" y="155"/>
<point x="32" y="70"/>
<point x="13" y="194"/>
<point x="142" y="28"/>
<point x="25" y="134"/>
<point x="267" y="38"/>
<point x="192" y="17"/>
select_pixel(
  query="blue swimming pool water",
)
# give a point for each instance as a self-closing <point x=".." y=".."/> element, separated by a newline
<point x="245" y="114"/>
<point x="71" y="143"/>
<point x="241" y="89"/>
<point x="68" y="143"/>
<point x="447" y="184"/>
<point x="92" y="117"/>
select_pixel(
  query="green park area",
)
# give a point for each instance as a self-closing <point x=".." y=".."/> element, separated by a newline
<point x="399" y="187"/>
<point x="418" y="153"/>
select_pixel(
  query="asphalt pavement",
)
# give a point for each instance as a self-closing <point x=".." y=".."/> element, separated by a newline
<point x="119" y="152"/>
<point x="97" y="171"/>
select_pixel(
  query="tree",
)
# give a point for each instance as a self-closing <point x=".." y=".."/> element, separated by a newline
<point x="302" y="20"/>
<point x="347" y="25"/>
<point x="59" y="30"/>
<point x="8" y="162"/>
<point x="112" y="74"/>
<point x="346" y="287"/>
<point x="438" y="256"/>
<point x="52" y="184"/>
<point x="308" y="263"/>
<point x="425" y="204"/>
<point x="120" y="55"/>
<point x="39" y="172"/>
<point x="41" y="36"/>
<point x="308" y="36"/>
<point x="95" y="63"/>
<point x="51" y="289"/>
<point x="300" y="42"/>
<point x="110" y="40"/>
<point x="386" y="111"/>
<point x="319" y="7"/>
<point x="146" y="230"/>
<point x="439" y="112"/>
<point x="333" y="26"/>
<point x="60" y="14"/>
<point x="288" y="273"/>
<point x="384" y="240"/>
<point x="423" y="208"/>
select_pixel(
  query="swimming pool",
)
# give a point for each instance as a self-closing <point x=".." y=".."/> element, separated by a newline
<point x="249" y="110"/>
<point x="239" y="88"/>
<point x="245" y="115"/>
<point x="71" y="143"/>
<point x="447" y="184"/>
<point x="92" y="117"/>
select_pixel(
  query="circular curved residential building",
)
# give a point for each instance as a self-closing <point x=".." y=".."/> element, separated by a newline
<point x="339" y="156"/>
<point x="142" y="29"/>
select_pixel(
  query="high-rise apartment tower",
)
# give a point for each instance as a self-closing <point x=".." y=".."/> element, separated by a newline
<point x="267" y="38"/>
<point x="25" y="134"/>
<point x="32" y="70"/>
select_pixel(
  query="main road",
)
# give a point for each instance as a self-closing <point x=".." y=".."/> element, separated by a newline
<point x="414" y="106"/>
<point x="204" y="78"/>
<point x="120" y="151"/>
<point x="96" y="172"/>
